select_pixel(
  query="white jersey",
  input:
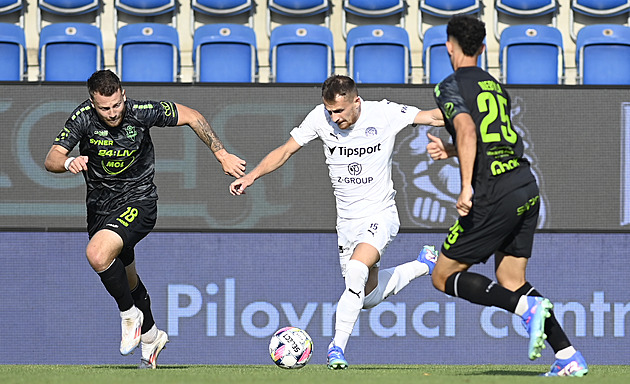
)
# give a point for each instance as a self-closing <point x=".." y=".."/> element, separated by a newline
<point x="359" y="158"/>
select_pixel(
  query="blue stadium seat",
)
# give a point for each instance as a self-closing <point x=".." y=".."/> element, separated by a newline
<point x="531" y="54"/>
<point x="596" y="10"/>
<point x="435" y="58"/>
<point x="225" y="53"/>
<point x="525" y="9"/>
<point x="221" y="8"/>
<point x="603" y="54"/>
<point x="13" y="63"/>
<point x="69" y="8"/>
<point x="445" y="9"/>
<point x="70" y="51"/>
<point x="13" y="6"/>
<point x="373" y="9"/>
<point x="301" y="53"/>
<point x="298" y="9"/>
<point x="379" y="54"/>
<point x="144" y="9"/>
<point x="148" y="52"/>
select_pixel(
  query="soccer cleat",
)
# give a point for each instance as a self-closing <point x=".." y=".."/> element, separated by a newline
<point x="428" y="256"/>
<point x="534" y="321"/>
<point x="151" y="351"/>
<point x="573" y="366"/>
<point x="336" y="360"/>
<point x="131" y="332"/>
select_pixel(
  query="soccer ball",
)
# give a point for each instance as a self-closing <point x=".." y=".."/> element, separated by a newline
<point x="290" y="348"/>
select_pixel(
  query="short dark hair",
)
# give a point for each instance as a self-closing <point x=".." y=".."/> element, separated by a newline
<point x="104" y="82"/>
<point x="469" y="32"/>
<point x="338" y="85"/>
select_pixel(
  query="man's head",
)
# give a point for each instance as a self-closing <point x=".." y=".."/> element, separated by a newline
<point x="341" y="100"/>
<point x="468" y="33"/>
<point x="107" y="97"/>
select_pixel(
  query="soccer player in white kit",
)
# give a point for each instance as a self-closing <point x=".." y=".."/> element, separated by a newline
<point x="358" y="137"/>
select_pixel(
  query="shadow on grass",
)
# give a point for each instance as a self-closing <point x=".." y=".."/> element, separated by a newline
<point x="135" y="367"/>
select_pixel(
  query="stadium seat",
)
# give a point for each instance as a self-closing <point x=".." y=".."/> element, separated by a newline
<point x="298" y="9"/>
<point x="301" y="53"/>
<point x="225" y="53"/>
<point x="531" y="54"/>
<point x="379" y="54"/>
<point x="444" y="9"/>
<point x="603" y="54"/>
<point x="435" y="58"/>
<point x="70" y="51"/>
<point x="373" y="9"/>
<point x="148" y="52"/>
<point x="221" y="8"/>
<point x="13" y="6"/>
<point x="525" y="9"/>
<point x="13" y="63"/>
<point x="598" y="10"/>
<point x="145" y="8"/>
<point x="69" y="8"/>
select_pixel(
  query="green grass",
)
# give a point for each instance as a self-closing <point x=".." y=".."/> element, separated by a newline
<point x="246" y="374"/>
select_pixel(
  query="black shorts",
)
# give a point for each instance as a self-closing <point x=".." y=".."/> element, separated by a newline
<point x="132" y="223"/>
<point x="507" y="226"/>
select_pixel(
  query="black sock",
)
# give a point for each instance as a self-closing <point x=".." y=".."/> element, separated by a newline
<point x="478" y="289"/>
<point x="556" y="337"/>
<point x="114" y="279"/>
<point x="142" y="300"/>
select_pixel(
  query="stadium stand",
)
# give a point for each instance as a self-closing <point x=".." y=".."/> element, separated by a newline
<point x="221" y="9"/>
<point x="225" y="53"/>
<point x="295" y="9"/>
<point x="529" y="10"/>
<point x="13" y="7"/>
<point x="373" y="10"/>
<point x="603" y="54"/>
<point x="444" y="9"/>
<point x="69" y="9"/>
<point x="137" y="42"/>
<point x="301" y="53"/>
<point x="143" y="9"/>
<point x="598" y="12"/>
<point x="13" y="59"/>
<point x="70" y="51"/>
<point x="531" y="54"/>
<point x="379" y="54"/>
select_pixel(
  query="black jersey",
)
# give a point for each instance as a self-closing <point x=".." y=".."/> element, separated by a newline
<point x="499" y="164"/>
<point x="121" y="161"/>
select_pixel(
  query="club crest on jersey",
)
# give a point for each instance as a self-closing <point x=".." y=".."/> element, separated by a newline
<point x="354" y="169"/>
<point x="130" y="132"/>
<point x="371" y="131"/>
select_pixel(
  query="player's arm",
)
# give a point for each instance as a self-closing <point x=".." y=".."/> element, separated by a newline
<point x="466" y="152"/>
<point x="57" y="161"/>
<point x="431" y="117"/>
<point x="232" y="164"/>
<point x="274" y="160"/>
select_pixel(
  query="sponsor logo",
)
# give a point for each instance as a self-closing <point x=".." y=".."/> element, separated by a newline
<point x="348" y="152"/>
<point x="498" y="167"/>
<point x="116" y="166"/>
<point x="130" y="132"/>
<point x="355" y="180"/>
<point x="103" y="132"/>
<point x="354" y="169"/>
<point x="371" y="131"/>
<point x="111" y="225"/>
<point x="101" y="142"/>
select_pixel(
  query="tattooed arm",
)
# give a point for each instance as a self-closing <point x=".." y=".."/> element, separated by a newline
<point x="232" y="165"/>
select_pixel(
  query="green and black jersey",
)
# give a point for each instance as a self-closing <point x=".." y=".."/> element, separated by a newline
<point x="499" y="164"/>
<point x="121" y="161"/>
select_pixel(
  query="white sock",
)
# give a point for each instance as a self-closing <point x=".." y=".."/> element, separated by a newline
<point x="150" y="335"/>
<point x="350" y="302"/>
<point x="522" y="306"/>
<point x="393" y="280"/>
<point x="130" y="313"/>
<point x="565" y="353"/>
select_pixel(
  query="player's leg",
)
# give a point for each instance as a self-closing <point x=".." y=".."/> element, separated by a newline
<point x="102" y="252"/>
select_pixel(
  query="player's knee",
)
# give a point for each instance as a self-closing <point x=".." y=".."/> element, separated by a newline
<point x="356" y="274"/>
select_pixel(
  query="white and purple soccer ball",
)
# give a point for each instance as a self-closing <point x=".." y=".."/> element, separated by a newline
<point x="290" y="348"/>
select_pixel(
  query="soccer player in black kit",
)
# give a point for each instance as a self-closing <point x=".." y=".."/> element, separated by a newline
<point x="498" y="201"/>
<point x="118" y="163"/>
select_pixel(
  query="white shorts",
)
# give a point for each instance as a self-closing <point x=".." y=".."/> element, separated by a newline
<point x="377" y="230"/>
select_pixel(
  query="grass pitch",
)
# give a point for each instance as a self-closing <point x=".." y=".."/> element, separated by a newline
<point x="246" y="374"/>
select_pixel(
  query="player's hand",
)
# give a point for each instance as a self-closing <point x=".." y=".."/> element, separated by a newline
<point x="464" y="201"/>
<point x="435" y="148"/>
<point x="238" y="186"/>
<point x="232" y="164"/>
<point x="79" y="164"/>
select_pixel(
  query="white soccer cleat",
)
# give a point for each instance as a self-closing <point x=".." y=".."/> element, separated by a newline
<point x="131" y="332"/>
<point x="151" y="351"/>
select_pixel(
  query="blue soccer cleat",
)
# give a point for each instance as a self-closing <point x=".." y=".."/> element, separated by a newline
<point x="428" y="256"/>
<point x="573" y="366"/>
<point x="336" y="360"/>
<point x="534" y="321"/>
